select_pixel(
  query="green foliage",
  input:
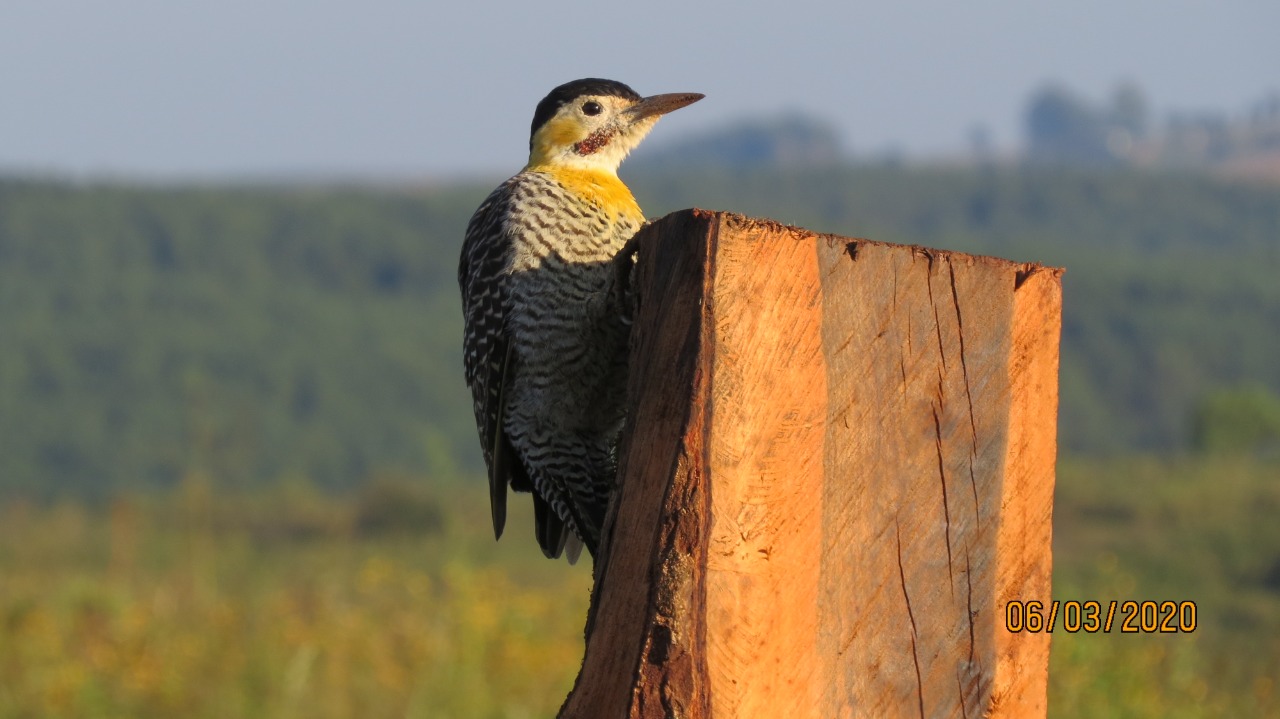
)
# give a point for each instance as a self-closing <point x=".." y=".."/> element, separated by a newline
<point x="250" y="334"/>
<point x="1199" y="530"/>
<point x="1170" y="287"/>
<point x="179" y="604"/>
<point x="1246" y="419"/>
<point x="208" y="339"/>
<point x="390" y="505"/>
<point x="167" y="606"/>
<point x="261" y="333"/>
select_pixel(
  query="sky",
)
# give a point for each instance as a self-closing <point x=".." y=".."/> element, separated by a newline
<point x="179" y="90"/>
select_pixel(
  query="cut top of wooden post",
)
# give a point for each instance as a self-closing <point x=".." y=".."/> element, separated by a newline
<point x="838" y="471"/>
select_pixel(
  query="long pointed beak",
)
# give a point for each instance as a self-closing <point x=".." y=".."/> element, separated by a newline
<point x="655" y="105"/>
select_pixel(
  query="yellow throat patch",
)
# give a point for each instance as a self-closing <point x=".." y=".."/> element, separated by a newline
<point x="600" y="188"/>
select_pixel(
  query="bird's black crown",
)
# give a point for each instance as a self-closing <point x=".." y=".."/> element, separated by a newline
<point x="571" y="91"/>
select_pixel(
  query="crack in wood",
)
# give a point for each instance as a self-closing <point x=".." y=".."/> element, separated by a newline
<point x="894" y="298"/>
<point x="1022" y="274"/>
<point x="968" y="394"/>
<point x="946" y="509"/>
<point x="964" y="366"/>
<point x="968" y="578"/>
<point x="902" y="577"/>
<point x="937" y="323"/>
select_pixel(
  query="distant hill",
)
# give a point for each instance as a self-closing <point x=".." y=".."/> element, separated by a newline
<point x="249" y="334"/>
<point x="255" y="334"/>
<point x="1170" y="289"/>
<point x="787" y="141"/>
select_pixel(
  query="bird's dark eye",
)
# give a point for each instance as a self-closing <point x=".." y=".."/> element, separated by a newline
<point x="591" y="107"/>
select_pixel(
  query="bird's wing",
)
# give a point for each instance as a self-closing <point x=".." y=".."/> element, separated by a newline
<point x="487" y="355"/>
<point x="491" y="362"/>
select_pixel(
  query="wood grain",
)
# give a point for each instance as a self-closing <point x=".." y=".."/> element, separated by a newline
<point x="839" y="470"/>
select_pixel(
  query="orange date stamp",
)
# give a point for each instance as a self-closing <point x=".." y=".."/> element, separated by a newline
<point x="1126" y="617"/>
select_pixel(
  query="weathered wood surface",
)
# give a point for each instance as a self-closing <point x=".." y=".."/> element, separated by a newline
<point x="840" y="468"/>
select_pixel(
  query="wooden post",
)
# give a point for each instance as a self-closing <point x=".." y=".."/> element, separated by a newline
<point x="839" y="470"/>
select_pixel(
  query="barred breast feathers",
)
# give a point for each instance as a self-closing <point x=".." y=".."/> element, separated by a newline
<point x="599" y="188"/>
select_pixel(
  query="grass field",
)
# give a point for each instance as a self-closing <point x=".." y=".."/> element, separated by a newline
<point x="396" y="602"/>
<point x="287" y="605"/>
<point x="1201" y="530"/>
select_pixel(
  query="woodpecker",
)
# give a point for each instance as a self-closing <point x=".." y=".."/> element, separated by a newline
<point x="542" y="275"/>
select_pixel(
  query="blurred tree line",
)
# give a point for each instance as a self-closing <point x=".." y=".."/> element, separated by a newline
<point x="272" y="333"/>
<point x="1062" y="127"/>
<point x="788" y="141"/>
<point x="242" y="333"/>
<point x="1169" y="295"/>
<point x="1065" y="128"/>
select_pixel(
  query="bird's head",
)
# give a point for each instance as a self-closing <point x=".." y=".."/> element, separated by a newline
<point x="594" y="123"/>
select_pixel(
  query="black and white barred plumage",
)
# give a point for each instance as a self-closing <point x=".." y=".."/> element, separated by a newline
<point x="545" y="351"/>
<point x="545" y="307"/>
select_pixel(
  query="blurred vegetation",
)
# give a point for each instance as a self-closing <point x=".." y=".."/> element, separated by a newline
<point x="1177" y="529"/>
<point x="189" y="604"/>
<point x="233" y="430"/>
<point x="251" y="334"/>
<point x="1169" y="295"/>
<point x="791" y="140"/>
<point x="1246" y="419"/>
<point x="194" y="603"/>
<point x="1063" y="128"/>
<point x="266" y="333"/>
